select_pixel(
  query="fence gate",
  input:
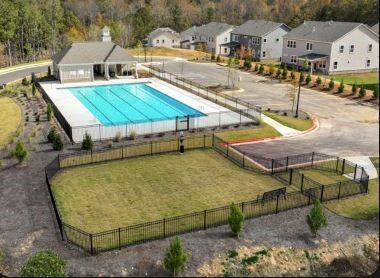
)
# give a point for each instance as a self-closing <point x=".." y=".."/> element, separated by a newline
<point x="182" y="123"/>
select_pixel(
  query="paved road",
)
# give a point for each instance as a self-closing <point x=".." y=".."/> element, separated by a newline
<point x="14" y="75"/>
<point x="347" y="128"/>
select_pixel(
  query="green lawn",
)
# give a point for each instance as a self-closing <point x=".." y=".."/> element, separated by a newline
<point x="323" y="177"/>
<point x="121" y="193"/>
<point x="362" y="207"/>
<point x="290" y="121"/>
<point x="261" y="132"/>
<point x="10" y="119"/>
<point x="359" y="78"/>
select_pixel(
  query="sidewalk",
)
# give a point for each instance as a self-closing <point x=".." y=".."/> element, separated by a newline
<point x="284" y="130"/>
<point x="366" y="163"/>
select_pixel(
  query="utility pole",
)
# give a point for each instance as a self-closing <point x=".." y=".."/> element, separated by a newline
<point x="298" y="97"/>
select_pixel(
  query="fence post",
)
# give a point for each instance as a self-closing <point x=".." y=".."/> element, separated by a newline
<point x="204" y="141"/>
<point x="323" y="187"/>
<point x="91" y="246"/>
<point x="91" y="155"/>
<point x="302" y="177"/>
<point x="356" y="167"/>
<point x="272" y="166"/>
<point x="164" y="232"/>
<point x="122" y="152"/>
<point x="204" y="219"/>
<point x="213" y="135"/>
<point x="227" y="149"/>
<point x="337" y="164"/>
<point x="291" y="176"/>
<point x="287" y="163"/>
<point x="277" y="204"/>
<point x="308" y="202"/>
<point x="312" y="159"/>
<point x="151" y="148"/>
<point x="119" y="239"/>
<point x="243" y="160"/>
<point x="344" y="164"/>
<point x="340" y="185"/>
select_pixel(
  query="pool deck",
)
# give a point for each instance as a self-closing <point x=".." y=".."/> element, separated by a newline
<point x="78" y="115"/>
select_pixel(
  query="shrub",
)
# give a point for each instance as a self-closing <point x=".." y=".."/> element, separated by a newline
<point x="24" y="82"/>
<point x="331" y="84"/>
<point x="87" y="143"/>
<point x="261" y="69"/>
<point x="175" y="257"/>
<point x="51" y="135"/>
<point x="49" y="71"/>
<point x="218" y="59"/>
<point x="34" y="89"/>
<point x="284" y="73"/>
<point x="319" y="81"/>
<point x="316" y="219"/>
<point x="256" y="67"/>
<point x="117" y="137"/>
<point x="247" y="63"/>
<point x="341" y="87"/>
<point x="354" y="88"/>
<point x="236" y="219"/>
<point x="19" y="152"/>
<point x="132" y="135"/>
<point x="57" y="143"/>
<point x="271" y="70"/>
<point x="44" y="264"/>
<point x="362" y="92"/>
<point x="49" y="112"/>
<point x="212" y="56"/>
<point x="375" y="94"/>
<point x="308" y="79"/>
<point x="302" y="77"/>
<point x="292" y="75"/>
<point x="278" y="72"/>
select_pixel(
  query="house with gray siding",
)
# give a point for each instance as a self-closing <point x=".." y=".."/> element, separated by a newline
<point x="163" y="37"/>
<point x="209" y="37"/>
<point x="88" y="60"/>
<point x="332" y="47"/>
<point x="260" y="39"/>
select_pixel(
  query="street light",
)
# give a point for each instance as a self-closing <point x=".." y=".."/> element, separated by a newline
<point x="298" y="97"/>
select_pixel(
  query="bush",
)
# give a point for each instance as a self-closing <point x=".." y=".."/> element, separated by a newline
<point x="49" y="112"/>
<point x="292" y="75"/>
<point x="302" y="77"/>
<point x="51" y="135"/>
<point x="354" y="88"/>
<point x="284" y="73"/>
<point x="24" y="82"/>
<point x="44" y="264"/>
<point x="256" y="67"/>
<point x="331" y="84"/>
<point x="319" y="81"/>
<point x="308" y="79"/>
<point x="278" y="72"/>
<point x="316" y="219"/>
<point x="218" y="59"/>
<point x="236" y="219"/>
<point x="212" y="56"/>
<point x="341" y="87"/>
<point x="132" y="135"/>
<point x="375" y="94"/>
<point x="261" y="69"/>
<point x="271" y="70"/>
<point x="175" y="257"/>
<point x="247" y="63"/>
<point x="19" y="151"/>
<point x="57" y="143"/>
<point x="362" y="92"/>
<point x="87" y="143"/>
<point x="117" y="137"/>
<point x="34" y="89"/>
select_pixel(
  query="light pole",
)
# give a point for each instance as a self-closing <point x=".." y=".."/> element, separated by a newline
<point x="298" y="97"/>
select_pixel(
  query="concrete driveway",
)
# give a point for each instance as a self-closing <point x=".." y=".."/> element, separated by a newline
<point x="347" y="128"/>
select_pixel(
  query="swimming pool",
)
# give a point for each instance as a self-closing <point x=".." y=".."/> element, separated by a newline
<point x="120" y="104"/>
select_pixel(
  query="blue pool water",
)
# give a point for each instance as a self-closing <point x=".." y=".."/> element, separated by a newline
<point x="130" y="103"/>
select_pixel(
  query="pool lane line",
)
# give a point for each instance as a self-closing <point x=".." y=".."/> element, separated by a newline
<point x="98" y="94"/>
<point x="80" y="92"/>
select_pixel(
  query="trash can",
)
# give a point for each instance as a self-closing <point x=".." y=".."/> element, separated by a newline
<point x="181" y="149"/>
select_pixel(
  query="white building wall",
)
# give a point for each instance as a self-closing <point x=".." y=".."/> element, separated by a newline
<point x="164" y="41"/>
<point x="271" y="44"/>
<point x="361" y="38"/>
<point x="225" y="37"/>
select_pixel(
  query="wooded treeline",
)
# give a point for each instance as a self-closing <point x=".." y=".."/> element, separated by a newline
<point x="36" y="29"/>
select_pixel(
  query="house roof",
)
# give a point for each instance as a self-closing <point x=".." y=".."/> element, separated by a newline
<point x="375" y="28"/>
<point x="164" y="30"/>
<point x="326" y="31"/>
<point x="92" y="53"/>
<point x="313" y="57"/>
<point x="213" y="29"/>
<point x="189" y="32"/>
<point x="258" y="28"/>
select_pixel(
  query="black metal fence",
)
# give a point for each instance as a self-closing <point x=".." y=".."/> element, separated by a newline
<point x="285" y="171"/>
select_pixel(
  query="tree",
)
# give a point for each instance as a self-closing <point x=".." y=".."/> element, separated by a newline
<point x="261" y="69"/>
<point x="8" y="23"/>
<point x="87" y="143"/>
<point x="362" y="92"/>
<point x="176" y="12"/>
<point x="354" y="88"/>
<point x="57" y="142"/>
<point x="292" y="75"/>
<point x="142" y="24"/>
<point x="341" y="87"/>
<point x="308" y="79"/>
<point x="218" y="59"/>
<point x="278" y="73"/>
<point x="51" y="135"/>
<point x="302" y="77"/>
<point x="49" y="112"/>
<point x="19" y="152"/>
<point x="34" y="89"/>
<point x="44" y="264"/>
<point x="319" y="81"/>
<point x="175" y="257"/>
<point x="331" y="84"/>
<point x="236" y="219"/>
<point x="316" y="219"/>
<point x="256" y="67"/>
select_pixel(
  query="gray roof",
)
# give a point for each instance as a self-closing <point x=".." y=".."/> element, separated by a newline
<point x="375" y="28"/>
<point x="213" y="29"/>
<point x="164" y="30"/>
<point x="189" y="32"/>
<point x="92" y="53"/>
<point x="258" y="28"/>
<point x="326" y="31"/>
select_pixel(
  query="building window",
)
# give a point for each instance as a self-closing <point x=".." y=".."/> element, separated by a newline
<point x="368" y="63"/>
<point x="370" y="48"/>
<point x="309" y="46"/>
<point x="172" y="41"/>
<point x="192" y="38"/>
<point x="335" y="65"/>
<point x="264" y="54"/>
<point x="292" y="44"/>
<point x="341" y="49"/>
<point x="293" y="59"/>
<point x="163" y="41"/>
<point x="277" y="40"/>
<point x="236" y="37"/>
<point x="212" y="39"/>
<point x="225" y="50"/>
<point x="352" y="48"/>
<point x="225" y="39"/>
<point x="264" y="40"/>
<point x="158" y="41"/>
